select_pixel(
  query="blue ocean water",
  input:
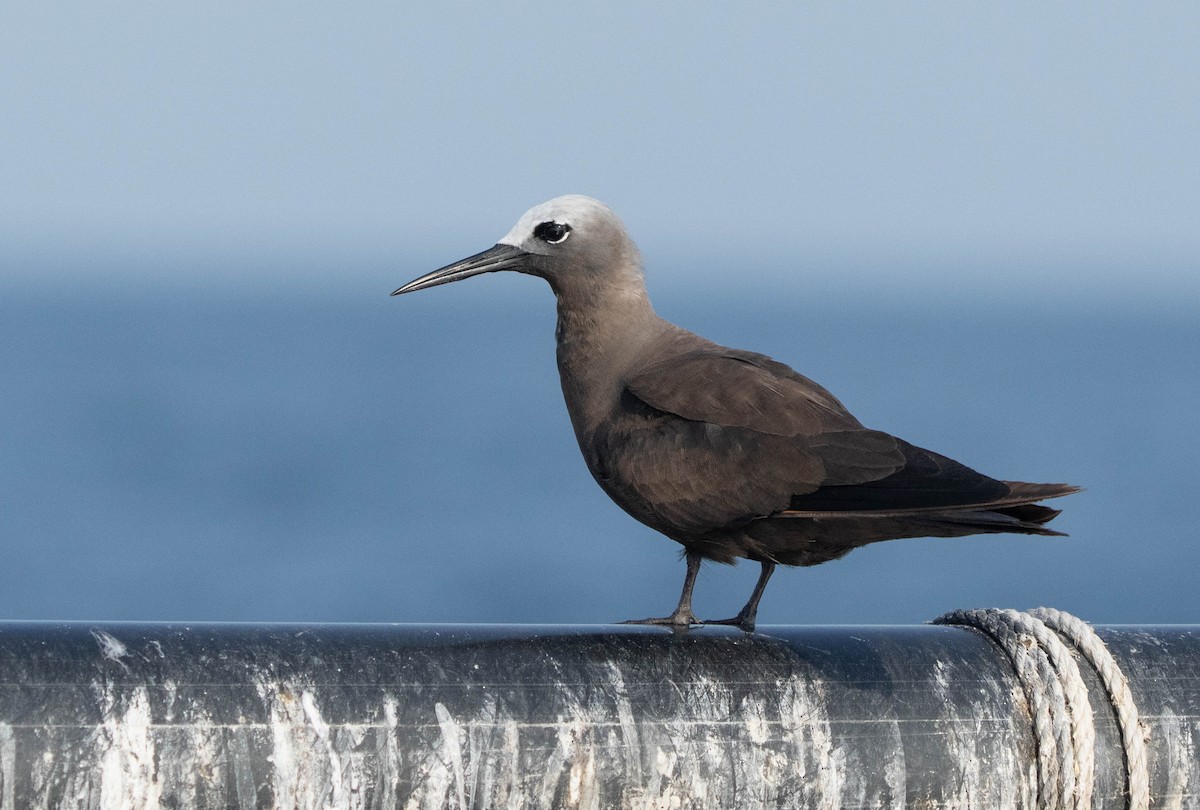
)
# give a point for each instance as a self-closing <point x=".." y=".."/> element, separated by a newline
<point x="176" y="454"/>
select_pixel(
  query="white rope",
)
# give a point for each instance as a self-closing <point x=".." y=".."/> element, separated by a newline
<point x="1064" y="731"/>
<point x="1133" y="735"/>
<point x="1057" y="697"/>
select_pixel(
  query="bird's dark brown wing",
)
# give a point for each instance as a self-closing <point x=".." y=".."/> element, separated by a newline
<point x="709" y="440"/>
<point x="687" y="478"/>
<point x="926" y="480"/>
<point x="714" y="438"/>
<point x="735" y="388"/>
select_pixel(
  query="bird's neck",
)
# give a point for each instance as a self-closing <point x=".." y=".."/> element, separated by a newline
<point x="601" y="335"/>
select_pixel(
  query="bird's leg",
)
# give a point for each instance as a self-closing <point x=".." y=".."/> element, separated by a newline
<point x="745" y="617"/>
<point x="682" y="617"/>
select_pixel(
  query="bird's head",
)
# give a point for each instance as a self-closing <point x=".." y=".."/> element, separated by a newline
<point x="574" y="242"/>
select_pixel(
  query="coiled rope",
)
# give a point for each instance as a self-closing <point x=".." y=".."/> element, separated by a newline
<point x="1064" y="731"/>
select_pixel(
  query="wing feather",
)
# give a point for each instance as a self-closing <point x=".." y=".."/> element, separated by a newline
<point x="740" y="389"/>
<point x="716" y="438"/>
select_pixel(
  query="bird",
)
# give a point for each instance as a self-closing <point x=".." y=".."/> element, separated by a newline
<point x="728" y="452"/>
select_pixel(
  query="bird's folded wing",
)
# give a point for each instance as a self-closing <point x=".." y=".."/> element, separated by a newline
<point x="724" y="439"/>
<point x="703" y="477"/>
<point x="739" y="436"/>
<point x="924" y="480"/>
<point x="733" y="388"/>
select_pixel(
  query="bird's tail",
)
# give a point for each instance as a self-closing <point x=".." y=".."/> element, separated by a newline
<point x="1027" y="512"/>
<point x="799" y="537"/>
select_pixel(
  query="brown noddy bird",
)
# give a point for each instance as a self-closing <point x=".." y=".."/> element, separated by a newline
<point x="727" y="452"/>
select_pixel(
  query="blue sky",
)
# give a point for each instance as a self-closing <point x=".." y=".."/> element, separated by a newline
<point x="220" y="141"/>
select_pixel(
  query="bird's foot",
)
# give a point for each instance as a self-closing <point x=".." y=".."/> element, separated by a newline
<point x="674" y="620"/>
<point x="740" y="621"/>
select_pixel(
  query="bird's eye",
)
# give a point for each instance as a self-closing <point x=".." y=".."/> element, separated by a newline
<point x="552" y="232"/>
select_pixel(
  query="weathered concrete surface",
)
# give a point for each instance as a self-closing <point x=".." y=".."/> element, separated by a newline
<point x="382" y="716"/>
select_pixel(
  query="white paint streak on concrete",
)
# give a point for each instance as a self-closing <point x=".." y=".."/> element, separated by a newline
<point x="452" y="745"/>
<point x="484" y="756"/>
<point x="1008" y="779"/>
<point x="1181" y="759"/>
<point x="170" y="693"/>
<point x="348" y="742"/>
<point x="754" y="768"/>
<point x="128" y="772"/>
<point x="630" y="745"/>
<point x="768" y="747"/>
<point x="202" y="763"/>
<point x="557" y="760"/>
<point x="512" y="745"/>
<point x="388" y="757"/>
<point x="692" y="752"/>
<point x="284" y="777"/>
<point x="940" y="678"/>
<point x="708" y="767"/>
<point x="970" y="784"/>
<point x="581" y="790"/>
<point x="302" y="773"/>
<point x="8" y="767"/>
<point x="430" y="783"/>
<point x="41" y="776"/>
<point x="237" y="754"/>
<point x="894" y="771"/>
<point x="663" y="770"/>
<point x="968" y="781"/>
<point x="756" y="726"/>
<point x="727" y="743"/>
<point x="762" y="749"/>
<point x="337" y="797"/>
<point x="821" y="764"/>
<point x="191" y="760"/>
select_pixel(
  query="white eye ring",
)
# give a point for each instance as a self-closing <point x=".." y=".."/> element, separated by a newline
<point x="547" y="229"/>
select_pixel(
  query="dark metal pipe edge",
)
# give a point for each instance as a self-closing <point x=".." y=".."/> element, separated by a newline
<point x="380" y="716"/>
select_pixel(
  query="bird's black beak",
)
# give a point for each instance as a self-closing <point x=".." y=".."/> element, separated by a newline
<point x="500" y="257"/>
